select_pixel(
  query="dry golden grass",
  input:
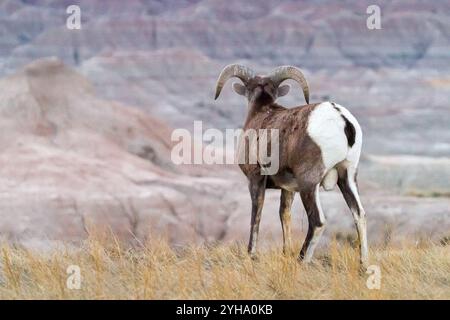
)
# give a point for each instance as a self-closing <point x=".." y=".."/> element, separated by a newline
<point x="157" y="271"/>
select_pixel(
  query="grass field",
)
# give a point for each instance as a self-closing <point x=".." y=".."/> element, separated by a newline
<point x="157" y="271"/>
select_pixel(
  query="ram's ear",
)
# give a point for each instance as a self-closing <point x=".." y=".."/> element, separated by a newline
<point x="283" y="90"/>
<point x="239" y="88"/>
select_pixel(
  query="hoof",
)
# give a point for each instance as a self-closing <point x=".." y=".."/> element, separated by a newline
<point x="288" y="253"/>
<point x="363" y="268"/>
<point x="254" y="256"/>
<point x="303" y="261"/>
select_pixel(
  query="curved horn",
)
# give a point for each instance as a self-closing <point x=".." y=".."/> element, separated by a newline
<point x="282" y="73"/>
<point x="233" y="70"/>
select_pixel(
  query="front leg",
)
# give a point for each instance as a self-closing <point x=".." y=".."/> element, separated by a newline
<point x="257" y="188"/>
<point x="285" y="216"/>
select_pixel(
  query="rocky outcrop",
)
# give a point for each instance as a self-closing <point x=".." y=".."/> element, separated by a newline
<point x="70" y="160"/>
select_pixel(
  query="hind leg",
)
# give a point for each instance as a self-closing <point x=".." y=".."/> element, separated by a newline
<point x="316" y="221"/>
<point x="348" y="185"/>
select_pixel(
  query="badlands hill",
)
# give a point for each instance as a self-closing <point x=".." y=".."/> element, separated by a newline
<point x="328" y="34"/>
<point x="72" y="162"/>
<point x="164" y="56"/>
<point x="85" y="137"/>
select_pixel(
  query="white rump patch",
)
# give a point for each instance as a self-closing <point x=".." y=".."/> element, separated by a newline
<point x="355" y="151"/>
<point x="326" y="128"/>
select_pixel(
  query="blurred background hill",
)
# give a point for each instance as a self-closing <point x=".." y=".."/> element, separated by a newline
<point x="86" y="115"/>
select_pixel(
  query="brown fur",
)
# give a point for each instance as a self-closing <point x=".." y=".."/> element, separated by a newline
<point x="301" y="167"/>
<point x="286" y="200"/>
<point x="300" y="157"/>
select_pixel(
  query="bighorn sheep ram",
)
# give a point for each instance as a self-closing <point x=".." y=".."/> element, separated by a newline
<point x="319" y="144"/>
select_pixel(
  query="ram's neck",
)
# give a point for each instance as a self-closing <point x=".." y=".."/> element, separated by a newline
<point x="255" y="110"/>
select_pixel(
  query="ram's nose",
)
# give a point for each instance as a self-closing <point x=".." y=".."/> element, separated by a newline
<point x="259" y="89"/>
